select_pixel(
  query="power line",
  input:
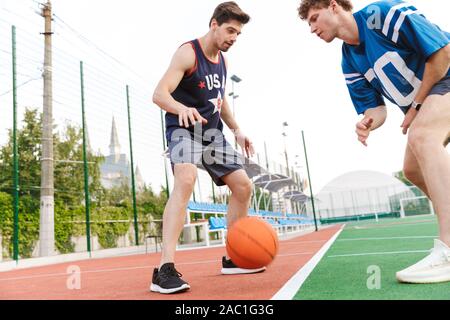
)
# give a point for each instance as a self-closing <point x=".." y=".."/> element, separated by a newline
<point x="97" y="48"/>
<point x="20" y="85"/>
<point x="28" y="21"/>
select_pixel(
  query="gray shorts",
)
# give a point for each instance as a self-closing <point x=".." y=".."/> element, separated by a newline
<point x="441" y="88"/>
<point x="217" y="157"/>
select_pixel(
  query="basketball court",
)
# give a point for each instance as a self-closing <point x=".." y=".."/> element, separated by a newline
<point x="128" y="277"/>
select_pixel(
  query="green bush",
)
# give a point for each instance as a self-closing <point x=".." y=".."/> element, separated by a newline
<point x="113" y="204"/>
<point x="108" y="231"/>
<point x="6" y="218"/>
<point x="28" y="224"/>
<point x="67" y="226"/>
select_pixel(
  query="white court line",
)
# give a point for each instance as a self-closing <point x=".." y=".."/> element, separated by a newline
<point x="377" y="253"/>
<point x="389" y="238"/>
<point x="50" y="275"/>
<point x="105" y="270"/>
<point x="295" y="254"/>
<point x="304" y="242"/>
<point x="288" y="291"/>
<point x="383" y="226"/>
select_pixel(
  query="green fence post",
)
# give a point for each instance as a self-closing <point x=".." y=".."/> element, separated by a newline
<point x="85" y="164"/>
<point x="15" y="152"/>
<point x="133" y="183"/>
<point x="309" y="179"/>
<point x="164" y="149"/>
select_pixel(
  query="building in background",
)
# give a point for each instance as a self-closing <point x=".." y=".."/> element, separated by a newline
<point x="116" y="170"/>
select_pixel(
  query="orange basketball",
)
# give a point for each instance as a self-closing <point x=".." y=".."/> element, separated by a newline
<point x="252" y="243"/>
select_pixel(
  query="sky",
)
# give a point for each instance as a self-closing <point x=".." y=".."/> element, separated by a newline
<point x="288" y="75"/>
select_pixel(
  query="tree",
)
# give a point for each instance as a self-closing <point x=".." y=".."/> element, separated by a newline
<point x="107" y="206"/>
<point x="29" y="154"/>
<point x="400" y="175"/>
<point x="69" y="185"/>
<point x="69" y="170"/>
<point x="151" y="207"/>
<point x="151" y="203"/>
<point x="69" y="182"/>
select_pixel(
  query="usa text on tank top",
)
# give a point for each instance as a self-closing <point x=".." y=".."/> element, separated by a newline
<point x="202" y="88"/>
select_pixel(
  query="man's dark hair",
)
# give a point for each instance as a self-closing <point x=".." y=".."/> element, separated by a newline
<point x="228" y="11"/>
<point x="307" y="5"/>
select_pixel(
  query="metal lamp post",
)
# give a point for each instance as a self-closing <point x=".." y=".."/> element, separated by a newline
<point x="234" y="79"/>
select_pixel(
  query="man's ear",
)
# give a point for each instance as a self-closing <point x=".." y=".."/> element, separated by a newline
<point x="214" y="24"/>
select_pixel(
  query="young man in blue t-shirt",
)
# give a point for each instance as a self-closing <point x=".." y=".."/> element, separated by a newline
<point x="391" y="50"/>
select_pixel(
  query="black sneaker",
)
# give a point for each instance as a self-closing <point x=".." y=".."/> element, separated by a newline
<point x="168" y="280"/>
<point x="228" y="267"/>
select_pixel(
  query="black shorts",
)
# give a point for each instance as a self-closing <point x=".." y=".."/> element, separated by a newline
<point x="217" y="157"/>
<point x="441" y="88"/>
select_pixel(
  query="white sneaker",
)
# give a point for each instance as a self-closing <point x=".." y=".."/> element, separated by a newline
<point x="432" y="269"/>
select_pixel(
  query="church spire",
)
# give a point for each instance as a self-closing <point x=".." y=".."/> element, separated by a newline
<point x="114" y="146"/>
<point x="88" y="141"/>
<point x="140" y="184"/>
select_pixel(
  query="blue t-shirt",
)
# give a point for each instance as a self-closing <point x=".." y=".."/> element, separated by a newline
<point x="396" y="40"/>
<point x="202" y="88"/>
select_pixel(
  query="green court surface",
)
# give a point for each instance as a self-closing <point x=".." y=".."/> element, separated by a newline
<point x="362" y="262"/>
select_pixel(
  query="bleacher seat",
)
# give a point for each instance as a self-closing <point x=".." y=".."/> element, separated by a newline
<point x="282" y="222"/>
<point x="215" y="223"/>
<point x="272" y="222"/>
<point x="222" y="223"/>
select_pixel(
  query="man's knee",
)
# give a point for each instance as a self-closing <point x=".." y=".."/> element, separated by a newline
<point x="185" y="179"/>
<point x="243" y="189"/>
<point x="422" y="140"/>
<point x="430" y="131"/>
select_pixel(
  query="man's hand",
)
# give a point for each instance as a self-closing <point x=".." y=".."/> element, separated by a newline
<point x="245" y="143"/>
<point x="363" y="129"/>
<point x="409" y="118"/>
<point x="192" y="115"/>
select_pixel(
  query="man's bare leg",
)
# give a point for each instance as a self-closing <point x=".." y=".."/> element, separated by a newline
<point x="412" y="171"/>
<point x="428" y="134"/>
<point x="241" y="192"/>
<point x="175" y="211"/>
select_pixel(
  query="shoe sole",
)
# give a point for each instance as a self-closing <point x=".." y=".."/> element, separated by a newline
<point x="418" y="280"/>
<point x="442" y="275"/>
<point x="231" y="271"/>
<point x="158" y="289"/>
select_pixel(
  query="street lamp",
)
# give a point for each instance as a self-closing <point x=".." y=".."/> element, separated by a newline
<point x="234" y="79"/>
<point x="288" y="174"/>
<point x="298" y="165"/>
<point x="285" y="124"/>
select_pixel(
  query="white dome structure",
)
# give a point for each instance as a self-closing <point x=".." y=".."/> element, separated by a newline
<point x="362" y="193"/>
